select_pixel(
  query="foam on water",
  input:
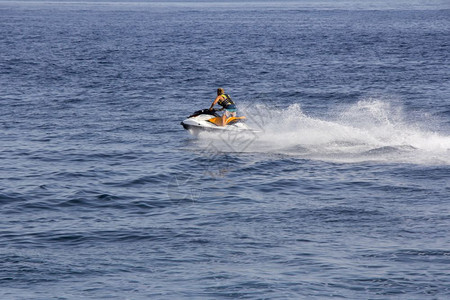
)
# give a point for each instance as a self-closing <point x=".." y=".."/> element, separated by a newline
<point x="369" y="130"/>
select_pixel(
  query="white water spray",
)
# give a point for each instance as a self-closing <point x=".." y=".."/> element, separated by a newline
<point x="370" y="130"/>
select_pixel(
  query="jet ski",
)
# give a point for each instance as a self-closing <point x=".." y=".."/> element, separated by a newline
<point x="209" y="120"/>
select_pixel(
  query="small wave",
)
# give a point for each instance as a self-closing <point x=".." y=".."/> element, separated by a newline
<point x="389" y="149"/>
<point x="10" y="198"/>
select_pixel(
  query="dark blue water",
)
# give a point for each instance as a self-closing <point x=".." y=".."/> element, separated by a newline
<point x="343" y="192"/>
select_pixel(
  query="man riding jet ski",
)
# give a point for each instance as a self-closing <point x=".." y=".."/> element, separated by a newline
<point x="227" y="104"/>
<point x="208" y="119"/>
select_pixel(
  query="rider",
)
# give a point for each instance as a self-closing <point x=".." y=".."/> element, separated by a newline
<point x="228" y="105"/>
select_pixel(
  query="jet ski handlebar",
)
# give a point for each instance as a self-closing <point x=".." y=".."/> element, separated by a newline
<point x="206" y="111"/>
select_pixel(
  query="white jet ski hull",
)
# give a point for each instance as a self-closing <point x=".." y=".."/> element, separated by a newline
<point x="199" y="122"/>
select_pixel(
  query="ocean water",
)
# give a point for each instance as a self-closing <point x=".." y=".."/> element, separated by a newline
<point x="343" y="191"/>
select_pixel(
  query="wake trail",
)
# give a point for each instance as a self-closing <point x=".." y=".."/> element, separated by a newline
<point x="369" y="130"/>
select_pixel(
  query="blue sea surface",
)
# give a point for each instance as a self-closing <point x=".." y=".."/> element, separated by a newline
<point x="342" y="192"/>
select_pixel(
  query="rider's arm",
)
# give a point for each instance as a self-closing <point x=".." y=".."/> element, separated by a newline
<point x="215" y="101"/>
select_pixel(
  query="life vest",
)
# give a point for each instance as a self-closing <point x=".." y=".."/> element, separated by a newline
<point x="225" y="101"/>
